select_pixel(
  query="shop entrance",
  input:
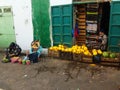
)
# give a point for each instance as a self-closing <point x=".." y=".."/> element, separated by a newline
<point x="91" y="18"/>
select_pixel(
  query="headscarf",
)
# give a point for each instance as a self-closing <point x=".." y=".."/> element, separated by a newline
<point x="35" y="44"/>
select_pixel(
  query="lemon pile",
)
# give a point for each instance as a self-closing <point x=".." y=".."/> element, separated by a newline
<point x="76" y="50"/>
<point x="56" y="48"/>
<point x="96" y="52"/>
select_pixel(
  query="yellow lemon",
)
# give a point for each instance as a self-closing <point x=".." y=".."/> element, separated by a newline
<point x="85" y="48"/>
<point x="50" y="48"/>
<point x="99" y="51"/>
<point x="94" y="53"/>
<point x="93" y="65"/>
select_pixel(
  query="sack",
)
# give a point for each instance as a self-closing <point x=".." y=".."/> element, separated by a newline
<point x="13" y="50"/>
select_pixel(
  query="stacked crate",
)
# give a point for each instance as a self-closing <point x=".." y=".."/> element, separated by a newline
<point x="66" y="55"/>
<point x="92" y="24"/>
<point x="53" y="53"/>
<point x="81" y="19"/>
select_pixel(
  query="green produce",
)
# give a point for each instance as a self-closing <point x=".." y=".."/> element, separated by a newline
<point x="24" y="62"/>
<point x="5" y="60"/>
<point x="112" y="55"/>
<point x="105" y="54"/>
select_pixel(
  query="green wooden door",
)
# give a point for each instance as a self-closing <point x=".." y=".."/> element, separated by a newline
<point x="62" y="24"/>
<point x="7" y="33"/>
<point x="114" y="32"/>
<point x="41" y="21"/>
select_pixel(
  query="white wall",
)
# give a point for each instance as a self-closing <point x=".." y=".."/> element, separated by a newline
<point x="60" y="2"/>
<point x="22" y="21"/>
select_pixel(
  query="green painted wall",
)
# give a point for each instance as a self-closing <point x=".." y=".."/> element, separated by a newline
<point x="41" y="21"/>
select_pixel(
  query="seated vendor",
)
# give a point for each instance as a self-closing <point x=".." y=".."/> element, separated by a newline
<point x="102" y="39"/>
<point x="35" y="51"/>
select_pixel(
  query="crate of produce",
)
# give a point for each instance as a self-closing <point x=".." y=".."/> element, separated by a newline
<point x="66" y="55"/>
<point x="86" y="59"/>
<point x="82" y="27"/>
<point x="82" y="16"/>
<point x="82" y="23"/>
<point x="82" y="20"/>
<point x="110" y="57"/>
<point x="111" y="60"/>
<point x="53" y="53"/>
<point x="77" y="57"/>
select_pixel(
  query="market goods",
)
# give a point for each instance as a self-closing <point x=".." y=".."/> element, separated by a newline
<point x="105" y="54"/>
<point x="5" y="60"/>
<point x="28" y="62"/>
<point x="112" y="55"/>
<point x="24" y="62"/>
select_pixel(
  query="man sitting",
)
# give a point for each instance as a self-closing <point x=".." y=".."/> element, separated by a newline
<point x="102" y="39"/>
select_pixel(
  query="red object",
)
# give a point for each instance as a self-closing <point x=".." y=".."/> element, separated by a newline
<point x="15" y="59"/>
<point x="28" y="62"/>
<point x="76" y="33"/>
<point x="20" y="61"/>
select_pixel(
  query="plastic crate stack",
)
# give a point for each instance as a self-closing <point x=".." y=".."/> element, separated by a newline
<point x="81" y="24"/>
<point x="92" y="24"/>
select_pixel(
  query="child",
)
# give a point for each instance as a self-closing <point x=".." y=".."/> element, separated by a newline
<point x="35" y="51"/>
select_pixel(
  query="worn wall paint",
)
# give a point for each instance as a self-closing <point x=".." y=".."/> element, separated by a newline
<point x="22" y="21"/>
<point x="60" y="2"/>
<point x="41" y="21"/>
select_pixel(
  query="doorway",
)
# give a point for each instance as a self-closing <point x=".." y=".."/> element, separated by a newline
<point x="105" y="18"/>
<point x="91" y="18"/>
<point x="7" y="33"/>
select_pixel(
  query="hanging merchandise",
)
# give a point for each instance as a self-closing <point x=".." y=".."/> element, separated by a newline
<point x="76" y="30"/>
<point x="92" y="28"/>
